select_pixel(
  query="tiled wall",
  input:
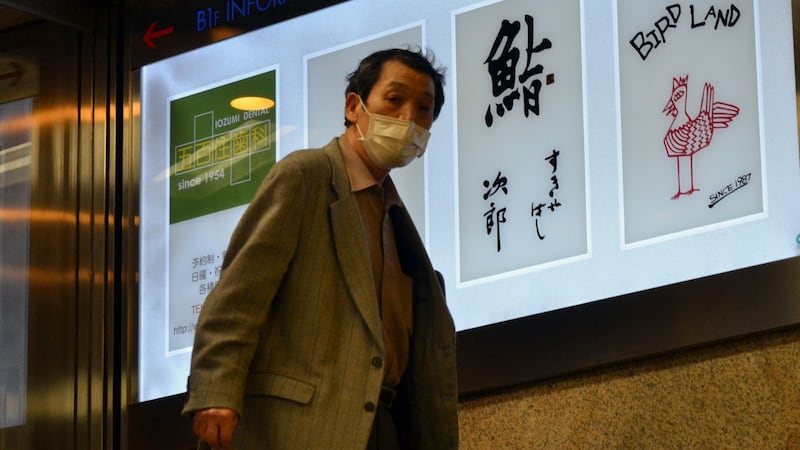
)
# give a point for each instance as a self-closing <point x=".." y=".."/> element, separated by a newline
<point x="743" y="394"/>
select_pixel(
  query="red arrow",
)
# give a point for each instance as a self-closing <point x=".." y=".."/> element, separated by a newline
<point x="151" y="34"/>
<point x="15" y="74"/>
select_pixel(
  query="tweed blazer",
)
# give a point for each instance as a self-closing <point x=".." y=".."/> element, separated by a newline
<point x="290" y="338"/>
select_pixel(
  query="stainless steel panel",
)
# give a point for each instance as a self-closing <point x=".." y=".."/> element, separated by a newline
<point x="52" y="223"/>
<point x="73" y="393"/>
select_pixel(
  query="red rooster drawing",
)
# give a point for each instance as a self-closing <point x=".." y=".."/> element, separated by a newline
<point x="688" y="135"/>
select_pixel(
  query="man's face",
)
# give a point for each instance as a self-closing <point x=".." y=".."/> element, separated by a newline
<point x="400" y="92"/>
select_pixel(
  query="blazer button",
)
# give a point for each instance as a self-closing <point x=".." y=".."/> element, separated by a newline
<point x="369" y="407"/>
<point x="377" y="362"/>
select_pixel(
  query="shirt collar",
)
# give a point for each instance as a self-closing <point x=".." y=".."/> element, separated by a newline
<point x="360" y="178"/>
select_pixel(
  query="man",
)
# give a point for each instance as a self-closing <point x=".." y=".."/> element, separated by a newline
<point x="328" y="328"/>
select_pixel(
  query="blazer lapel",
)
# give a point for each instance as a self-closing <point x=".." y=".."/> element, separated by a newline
<point x="351" y="245"/>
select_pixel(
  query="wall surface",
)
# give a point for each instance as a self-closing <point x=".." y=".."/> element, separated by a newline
<point x="743" y="394"/>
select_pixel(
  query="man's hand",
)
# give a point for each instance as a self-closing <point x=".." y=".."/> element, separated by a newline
<point x="215" y="426"/>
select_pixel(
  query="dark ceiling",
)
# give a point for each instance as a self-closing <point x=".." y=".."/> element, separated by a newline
<point x="10" y="18"/>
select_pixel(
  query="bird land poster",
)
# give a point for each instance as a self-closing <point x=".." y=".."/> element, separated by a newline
<point x="691" y="145"/>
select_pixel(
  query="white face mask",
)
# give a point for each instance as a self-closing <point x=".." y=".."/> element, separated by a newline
<point x="391" y="142"/>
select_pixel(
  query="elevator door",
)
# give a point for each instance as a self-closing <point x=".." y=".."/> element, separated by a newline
<point x="55" y="374"/>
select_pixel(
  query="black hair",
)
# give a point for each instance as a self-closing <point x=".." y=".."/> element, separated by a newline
<point x="369" y="70"/>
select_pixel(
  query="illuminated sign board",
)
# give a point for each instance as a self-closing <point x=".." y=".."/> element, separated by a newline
<point x="558" y="173"/>
<point x="161" y="29"/>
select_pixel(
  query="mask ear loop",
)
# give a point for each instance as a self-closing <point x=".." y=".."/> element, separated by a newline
<point x="363" y="105"/>
<point x="361" y="136"/>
